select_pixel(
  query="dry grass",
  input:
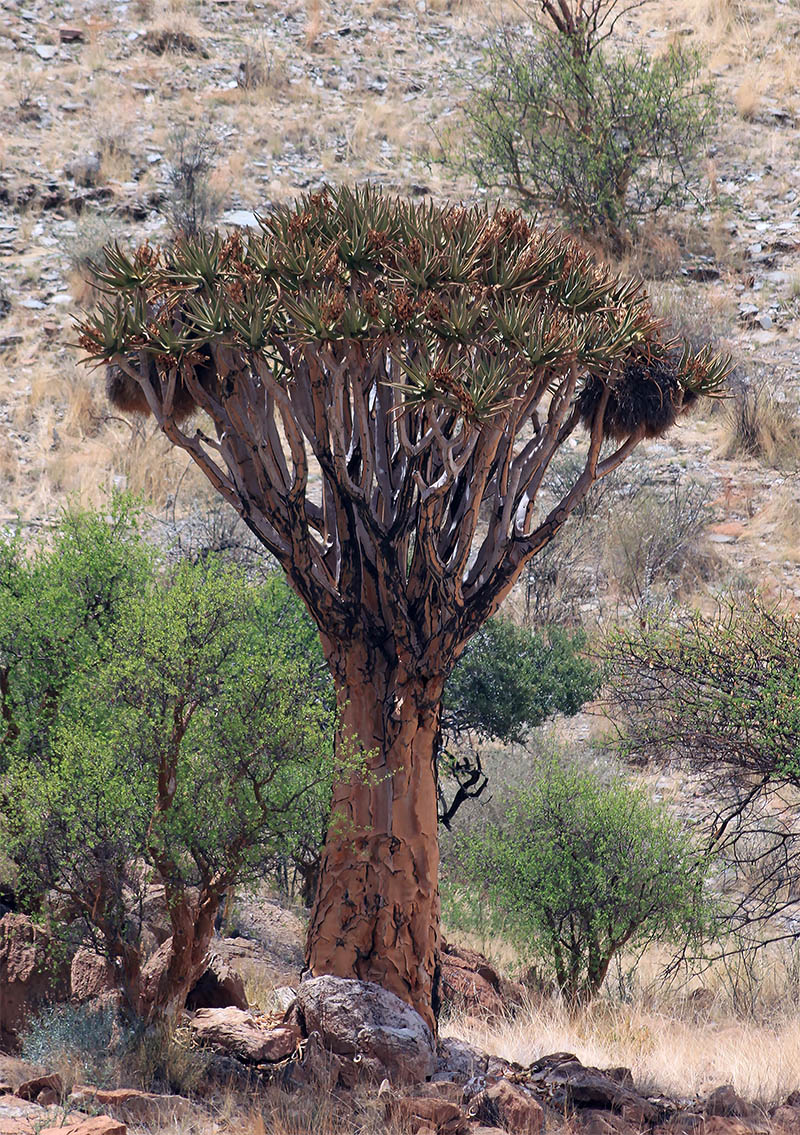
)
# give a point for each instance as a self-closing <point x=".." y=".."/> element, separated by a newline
<point x="748" y="98"/>
<point x="778" y="523"/>
<point x="666" y="1054"/>
<point x="761" y="425"/>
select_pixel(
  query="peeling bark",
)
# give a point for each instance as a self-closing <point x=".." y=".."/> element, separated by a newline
<point x="376" y="917"/>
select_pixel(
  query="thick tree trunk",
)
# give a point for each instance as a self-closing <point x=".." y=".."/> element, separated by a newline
<point x="166" y="980"/>
<point x="376" y="917"/>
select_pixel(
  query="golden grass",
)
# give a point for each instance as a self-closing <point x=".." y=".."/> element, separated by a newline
<point x="665" y="1053"/>
<point x="748" y="98"/>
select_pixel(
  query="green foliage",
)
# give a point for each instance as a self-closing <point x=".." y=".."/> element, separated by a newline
<point x="60" y="601"/>
<point x="602" y="135"/>
<point x="188" y="722"/>
<point x="476" y="303"/>
<point x="81" y="1042"/>
<point x="510" y="680"/>
<point x="574" y="869"/>
<point x="720" y="691"/>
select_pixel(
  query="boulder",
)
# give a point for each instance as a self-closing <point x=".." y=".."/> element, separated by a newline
<point x="84" y="170"/>
<point x="90" y="975"/>
<point x="220" y="987"/>
<point x="368" y="1025"/>
<point x="425" y="1114"/>
<point x="728" y="1125"/>
<point x="509" y="1106"/>
<point x="241" y="1035"/>
<point x="458" y="1060"/>
<point x="470" y="981"/>
<point x="605" y="1123"/>
<point x="725" y="1101"/>
<point x="32" y="1089"/>
<point x="569" y="1084"/>
<point x="785" y="1120"/>
<point x="29" y="974"/>
<point x="285" y="997"/>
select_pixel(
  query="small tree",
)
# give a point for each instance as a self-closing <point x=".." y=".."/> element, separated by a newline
<point x="507" y="682"/>
<point x="720" y="696"/>
<point x="562" y="121"/>
<point x="388" y="384"/>
<point x="180" y="750"/>
<point x="577" y="869"/>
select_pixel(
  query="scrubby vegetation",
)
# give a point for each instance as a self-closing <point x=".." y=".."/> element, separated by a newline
<point x="564" y="118"/>
<point x="575" y="867"/>
<point x="615" y="766"/>
<point x="161" y="724"/>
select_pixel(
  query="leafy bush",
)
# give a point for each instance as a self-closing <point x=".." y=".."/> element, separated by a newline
<point x="508" y="681"/>
<point x="602" y="135"/>
<point x="165" y="722"/>
<point x="574" y="869"/>
<point x="81" y="1042"/>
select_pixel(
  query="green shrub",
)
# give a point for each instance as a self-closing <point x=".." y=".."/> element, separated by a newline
<point x="574" y="869"/>
<point x="510" y="680"/>
<point x="82" y="1043"/>
<point x="602" y="135"/>
<point x="160" y="722"/>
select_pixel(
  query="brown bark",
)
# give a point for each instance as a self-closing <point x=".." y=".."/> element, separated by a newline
<point x="167" y="979"/>
<point x="376" y="917"/>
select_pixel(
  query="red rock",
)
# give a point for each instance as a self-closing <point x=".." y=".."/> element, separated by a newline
<point x="725" y="1101"/>
<point x="786" y="1120"/>
<point x="92" y="1125"/>
<point x="31" y="1088"/>
<point x="240" y="1034"/>
<point x="28" y="975"/>
<point x="726" y="1125"/>
<point x="469" y="980"/>
<point x="90" y="975"/>
<point x="605" y="1123"/>
<point x="425" y="1114"/>
<point x="129" y="1104"/>
<point x="220" y="987"/>
<point x="511" y="1107"/>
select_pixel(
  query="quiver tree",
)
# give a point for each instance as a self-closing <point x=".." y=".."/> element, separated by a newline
<point x="387" y="385"/>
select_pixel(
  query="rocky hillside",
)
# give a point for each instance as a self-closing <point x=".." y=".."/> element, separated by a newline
<point x="100" y="99"/>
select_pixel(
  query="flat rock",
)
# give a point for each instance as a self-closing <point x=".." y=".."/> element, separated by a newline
<point x="240" y="1034"/>
<point x="92" y="1125"/>
<point x="130" y="1105"/>
<point x="30" y="1089"/>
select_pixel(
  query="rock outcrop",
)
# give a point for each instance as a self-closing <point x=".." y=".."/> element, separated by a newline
<point x="30" y="974"/>
<point x="373" y="1031"/>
